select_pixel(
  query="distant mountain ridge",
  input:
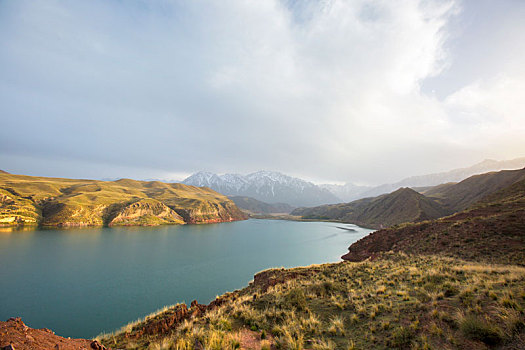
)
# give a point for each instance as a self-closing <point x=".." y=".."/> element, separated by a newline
<point x="406" y="205"/>
<point x="350" y="192"/>
<point x="255" y="206"/>
<point x="491" y="229"/>
<point x="459" y="196"/>
<point x="265" y="186"/>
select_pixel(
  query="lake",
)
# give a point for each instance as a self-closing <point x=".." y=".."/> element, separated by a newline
<point x="81" y="282"/>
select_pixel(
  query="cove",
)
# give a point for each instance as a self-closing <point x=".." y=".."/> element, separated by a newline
<point x="81" y="282"/>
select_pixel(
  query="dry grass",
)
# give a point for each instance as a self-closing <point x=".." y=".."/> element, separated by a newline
<point x="398" y="301"/>
<point x="70" y="202"/>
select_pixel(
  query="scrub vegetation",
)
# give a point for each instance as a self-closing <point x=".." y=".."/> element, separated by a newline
<point x="396" y="301"/>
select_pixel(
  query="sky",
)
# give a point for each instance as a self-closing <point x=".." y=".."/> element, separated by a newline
<point x="357" y="91"/>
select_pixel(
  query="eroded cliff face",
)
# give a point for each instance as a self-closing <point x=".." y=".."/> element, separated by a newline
<point x="72" y="215"/>
<point x="207" y="213"/>
<point x="16" y="210"/>
<point x="145" y="212"/>
<point x="56" y="202"/>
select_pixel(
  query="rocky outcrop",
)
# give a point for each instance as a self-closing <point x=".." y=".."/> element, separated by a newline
<point x="269" y="278"/>
<point x="61" y="214"/>
<point x="15" y="210"/>
<point x="207" y="213"/>
<point x="15" y="335"/>
<point x="145" y="212"/>
<point x="165" y="322"/>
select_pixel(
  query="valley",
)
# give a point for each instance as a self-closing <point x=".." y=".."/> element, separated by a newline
<point x="444" y="269"/>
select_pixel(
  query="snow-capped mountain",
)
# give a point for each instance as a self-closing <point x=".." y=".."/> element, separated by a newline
<point x="266" y="186"/>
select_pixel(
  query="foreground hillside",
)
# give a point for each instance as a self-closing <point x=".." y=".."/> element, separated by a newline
<point x="492" y="230"/>
<point x="15" y="335"/>
<point x="69" y="202"/>
<point x="397" y="301"/>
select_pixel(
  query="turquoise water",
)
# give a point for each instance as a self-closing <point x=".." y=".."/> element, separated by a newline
<point x="81" y="282"/>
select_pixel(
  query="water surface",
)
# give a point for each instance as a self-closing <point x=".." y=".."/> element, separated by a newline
<point x="80" y="282"/>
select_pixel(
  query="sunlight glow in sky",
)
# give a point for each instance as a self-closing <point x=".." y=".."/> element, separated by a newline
<point x="329" y="90"/>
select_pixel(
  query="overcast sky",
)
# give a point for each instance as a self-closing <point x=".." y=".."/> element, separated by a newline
<point x="360" y="91"/>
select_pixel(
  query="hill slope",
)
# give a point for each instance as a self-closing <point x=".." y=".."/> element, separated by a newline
<point x="492" y="230"/>
<point x="459" y="196"/>
<point x="70" y="202"/>
<point x="350" y="192"/>
<point x="266" y="186"/>
<point x="394" y="302"/>
<point x="252" y="205"/>
<point x="403" y="205"/>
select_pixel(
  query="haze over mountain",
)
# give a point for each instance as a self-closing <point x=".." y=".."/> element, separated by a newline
<point x="252" y="205"/>
<point x="406" y="205"/>
<point x="266" y="186"/>
<point x="491" y="228"/>
<point x="350" y="192"/>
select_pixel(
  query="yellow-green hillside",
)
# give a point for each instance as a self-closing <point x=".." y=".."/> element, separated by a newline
<point x="395" y="302"/>
<point x="71" y="202"/>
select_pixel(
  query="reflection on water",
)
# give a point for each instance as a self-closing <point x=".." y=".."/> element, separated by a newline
<point x="82" y="281"/>
<point x="11" y="229"/>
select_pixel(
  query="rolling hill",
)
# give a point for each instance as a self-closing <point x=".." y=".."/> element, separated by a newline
<point x="407" y="205"/>
<point x="491" y="230"/>
<point x="403" y="205"/>
<point x="459" y="196"/>
<point x="254" y="206"/>
<point x="69" y="202"/>
<point x="350" y="192"/>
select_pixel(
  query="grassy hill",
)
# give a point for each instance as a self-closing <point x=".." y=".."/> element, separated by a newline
<point x="255" y="206"/>
<point x="491" y="230"/>
<point x="403" y="205"/>
<point x="394" y="302"/>
<point x="459" y="196"/>
<point x="450" y="283"/>
<point x="408" y="205"/>
<point x="69" y="202"/>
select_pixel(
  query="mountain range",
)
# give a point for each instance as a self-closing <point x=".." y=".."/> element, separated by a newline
<point x="491" y="227"/>
<point x="274" y="187"/>
<point x="407" y="205"/>
<point x="350" y="192"/>
<point x="265" y="186"/>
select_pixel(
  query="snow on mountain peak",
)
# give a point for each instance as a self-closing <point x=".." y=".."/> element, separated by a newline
<point x="269" y="186"/>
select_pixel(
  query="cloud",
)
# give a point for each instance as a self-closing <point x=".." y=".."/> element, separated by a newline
<point x="321" y="89"/>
